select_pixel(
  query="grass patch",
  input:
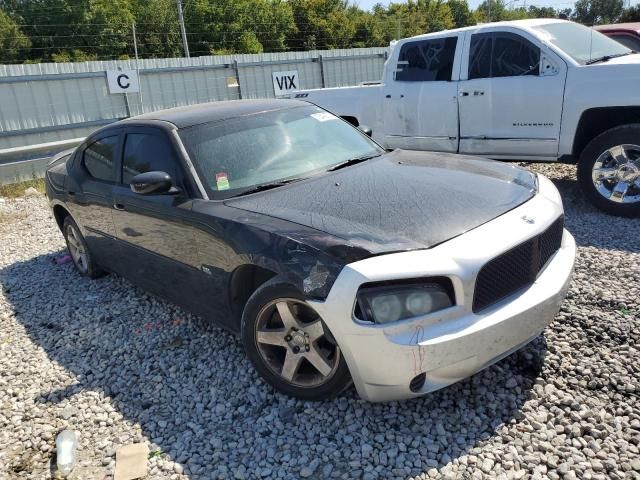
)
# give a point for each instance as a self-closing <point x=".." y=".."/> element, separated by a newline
<point x="15" y="190"/>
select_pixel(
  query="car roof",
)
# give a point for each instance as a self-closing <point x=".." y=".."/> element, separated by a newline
<point x="524" y="24"/>
<point x="190" y="115"/>
<point x="630" y="27"/>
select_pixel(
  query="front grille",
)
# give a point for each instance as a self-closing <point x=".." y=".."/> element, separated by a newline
<point x="516" y="268"/>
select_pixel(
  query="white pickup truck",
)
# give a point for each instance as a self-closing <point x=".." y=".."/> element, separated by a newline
<point x="537" y="90"/>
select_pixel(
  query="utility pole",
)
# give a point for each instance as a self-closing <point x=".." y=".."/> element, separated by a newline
<point x="185" y="44"/>
<point x="135" y="49"/>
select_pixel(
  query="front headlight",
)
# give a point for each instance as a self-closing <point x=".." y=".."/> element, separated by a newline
<point x="391" y="302"/>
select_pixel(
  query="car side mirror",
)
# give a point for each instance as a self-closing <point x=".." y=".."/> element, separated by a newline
<point x="151" y="183"/>
<point x="366" y="130"/>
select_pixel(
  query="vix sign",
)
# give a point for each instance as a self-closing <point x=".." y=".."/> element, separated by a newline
<point x="123" y="81"/>
<point x="285" y="82"/>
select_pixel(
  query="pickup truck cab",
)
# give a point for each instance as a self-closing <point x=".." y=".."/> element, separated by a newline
<point x="533" y="90"/>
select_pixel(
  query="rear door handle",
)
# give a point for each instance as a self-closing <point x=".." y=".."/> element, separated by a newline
<point x="464" y="94"/>
<point x="478" y="93"/>
<point x="118" y="206"/>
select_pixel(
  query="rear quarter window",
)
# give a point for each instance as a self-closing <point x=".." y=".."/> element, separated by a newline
<point x="98" y="158"/>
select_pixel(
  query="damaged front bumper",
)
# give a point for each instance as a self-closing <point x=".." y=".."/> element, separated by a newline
<point x="446" y="346"/>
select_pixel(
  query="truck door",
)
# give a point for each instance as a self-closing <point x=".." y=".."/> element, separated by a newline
<point x="510" y="96"/>
<point x="420" y="95"/>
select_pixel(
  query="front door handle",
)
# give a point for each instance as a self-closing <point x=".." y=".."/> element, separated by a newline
<point x="464" y="94"/>
<point x="478" y="93"/>
<point x="118" y="206"/>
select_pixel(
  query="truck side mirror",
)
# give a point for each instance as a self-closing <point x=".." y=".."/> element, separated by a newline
<point x="366" y="130"/>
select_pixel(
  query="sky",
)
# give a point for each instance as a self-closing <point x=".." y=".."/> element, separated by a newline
<point x="367" y="4"/>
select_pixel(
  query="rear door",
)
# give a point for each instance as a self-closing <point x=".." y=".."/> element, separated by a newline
<point x="510" y="95"/>
<point x="420" y="95"/>
<point x="156" y="232"/>
<point x="90" y="192"/>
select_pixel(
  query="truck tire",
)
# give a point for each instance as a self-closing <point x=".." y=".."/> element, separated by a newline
<point x="609" y="171"/>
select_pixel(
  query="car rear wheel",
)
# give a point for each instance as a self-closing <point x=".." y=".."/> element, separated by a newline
<point x="79" y="251"/>
<point x="609" y="171"/>
<point x="290" y="346"/>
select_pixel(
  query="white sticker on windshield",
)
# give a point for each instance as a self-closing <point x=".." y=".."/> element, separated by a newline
<point x="323" y="116"/>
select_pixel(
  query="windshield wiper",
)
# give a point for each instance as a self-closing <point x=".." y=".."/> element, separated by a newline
<point x="606" y="58"/>
<point x="268" y="186"/>
<point x="353" y="161"/>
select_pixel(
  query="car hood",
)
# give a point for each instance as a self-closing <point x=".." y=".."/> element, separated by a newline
<point x="400" y="201"/>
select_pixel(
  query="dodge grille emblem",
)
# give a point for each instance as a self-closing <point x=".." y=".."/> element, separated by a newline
<point x="528" y="219"/>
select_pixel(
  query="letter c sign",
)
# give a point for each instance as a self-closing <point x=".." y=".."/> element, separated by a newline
<point x="123" y="81"/>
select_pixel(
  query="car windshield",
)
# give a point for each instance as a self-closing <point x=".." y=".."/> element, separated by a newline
<point x="241" y="154"/>
<point x="581" y="43"/>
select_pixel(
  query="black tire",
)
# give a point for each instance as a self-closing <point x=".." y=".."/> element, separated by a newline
<point x="623" y="135"/>
<point x="91" y="269"/>
<point x="270" y="292"/>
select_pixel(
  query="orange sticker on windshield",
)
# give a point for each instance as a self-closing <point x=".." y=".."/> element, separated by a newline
<point x="222" y="181"/>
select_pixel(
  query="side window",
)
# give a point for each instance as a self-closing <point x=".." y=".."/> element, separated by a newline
<point x="147" y="153"/>
<point x="480" y="56"/>
<point x="426" y="60"/>
<point x="502" y="54"/>
<point x="98" y="158"/>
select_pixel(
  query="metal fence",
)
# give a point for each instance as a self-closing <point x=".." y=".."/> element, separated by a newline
<point x="50" y="102"/>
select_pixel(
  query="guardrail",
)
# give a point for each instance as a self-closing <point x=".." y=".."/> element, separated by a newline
<point x="18" y="164"/>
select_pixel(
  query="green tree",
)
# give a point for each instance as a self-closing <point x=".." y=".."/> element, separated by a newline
<point x="462" y="14"/>
<point x="13" y="43"/>
<point x="321" y="24"/>
<point x="541" y="12"/>
<point x="157" y="29"/>
<point x="597" y="12"/>
<point x="631" y="14"/>
<point x="415" y="17"/>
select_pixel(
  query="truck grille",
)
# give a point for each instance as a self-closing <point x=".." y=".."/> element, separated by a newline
<point x="516" y="268"/>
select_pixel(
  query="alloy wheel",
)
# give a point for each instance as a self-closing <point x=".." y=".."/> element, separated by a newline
<point x="616" y="174"/>
<point x="293" y="342"/>
<point x="76" y="249"/>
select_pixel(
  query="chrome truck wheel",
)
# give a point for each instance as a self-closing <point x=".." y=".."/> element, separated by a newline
<point x="616" y="174"/>
<point x="609" y="171"/>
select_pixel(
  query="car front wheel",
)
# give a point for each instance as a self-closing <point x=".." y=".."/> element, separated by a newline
<point x="79" y="251"/>
<point x="609" y="171"/>
<point x="290" y="346"/>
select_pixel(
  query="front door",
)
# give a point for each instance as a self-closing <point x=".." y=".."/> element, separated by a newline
<point x="510" y="97"/>
<point x="155" y="232"/>
<point x="420" y="99"/>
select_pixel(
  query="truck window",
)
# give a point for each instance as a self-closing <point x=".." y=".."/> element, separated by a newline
<point x="502" y="54"/>
<point x="426" y="60"/>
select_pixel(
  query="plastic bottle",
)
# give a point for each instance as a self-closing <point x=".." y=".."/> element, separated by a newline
<point x="66" y="444"/>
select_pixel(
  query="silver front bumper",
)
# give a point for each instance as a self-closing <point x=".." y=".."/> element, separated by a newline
<point x="455" y="343"/>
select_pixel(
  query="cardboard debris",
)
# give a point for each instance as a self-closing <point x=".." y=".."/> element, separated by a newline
<point x="131" y="461"/>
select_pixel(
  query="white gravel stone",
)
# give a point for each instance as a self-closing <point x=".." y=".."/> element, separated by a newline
<point x="101" y="357"/>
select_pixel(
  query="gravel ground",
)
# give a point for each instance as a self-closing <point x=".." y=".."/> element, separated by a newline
<point x="121" y="366"/>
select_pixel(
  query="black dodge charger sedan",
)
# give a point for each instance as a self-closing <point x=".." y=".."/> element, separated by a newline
<point x="334" y="260"/>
